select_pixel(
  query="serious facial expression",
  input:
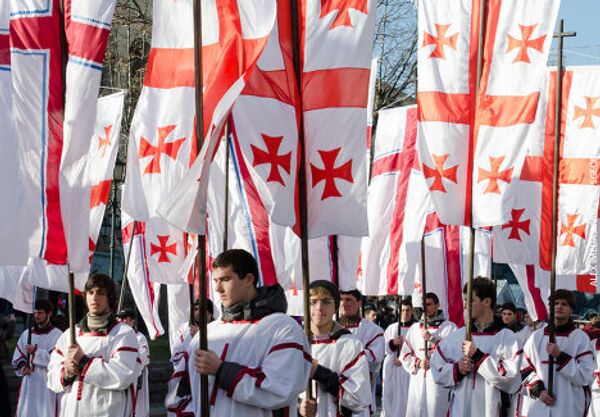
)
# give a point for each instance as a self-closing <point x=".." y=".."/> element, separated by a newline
<point x="508" y="316"/>
<point x="232" y="288"/>
<point x="97" y="301"/>
<point x="41" y="317"/>
<point x="405" y="313"/>
<point x="322" y="308"/>
<point x="349" y="305"/>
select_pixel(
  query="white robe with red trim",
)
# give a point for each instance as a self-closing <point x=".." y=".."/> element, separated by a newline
<point x="344" y="356"/>
<point x="371" y="337"/>
<point x="572" y="377"/>
<point x="176" y="404"/>
<point x="102" y="389"/>
<point x="395" y="379"/>
<point x="35" y="399"/>
<point x="595" y="407"/>
<point x="274" y="367"/>
<point x="142" y="391"/>
<point x="425" y="397"/>
<point x="478" y="392"/>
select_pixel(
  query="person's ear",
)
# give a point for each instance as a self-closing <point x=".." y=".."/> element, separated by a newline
<point x="250" y="278"/>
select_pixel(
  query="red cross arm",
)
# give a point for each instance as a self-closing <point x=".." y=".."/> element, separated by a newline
<point x="4" y="50"/>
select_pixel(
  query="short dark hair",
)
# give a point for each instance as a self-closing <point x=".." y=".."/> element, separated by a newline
<point x="406" y="301"/>
<point x="354" y="293"/>
<point x="370" y="307"/>
<point x="433" y="297"/>
<point x="483" y="288"/>
<point x="566" y="295"/>
<point x="509" y="306"/>
<point x="209" y="306"/>
<point x="105" y="282"/>
<point x="44" y="304"/>
<point x="240" y="261"/>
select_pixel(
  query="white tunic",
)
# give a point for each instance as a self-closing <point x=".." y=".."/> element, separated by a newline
<point x="271" y="361"/>
<point x="142" y="391"/>
<point x="573" y="372"/>
<point x="102" y="388"/>
<point x="345" y="357"/>
<point x="495" y="369"/>
<point x="425" y="397"/>
<point x="178" y="402"/>
<point x="595" y="407"/>
<point x="35" y="399"/>
<point x="395" y="379"/>
<point x="371" y="337"/>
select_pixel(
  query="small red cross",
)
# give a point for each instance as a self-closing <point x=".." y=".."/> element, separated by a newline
<point x="271" y="157"/>
<point x="570" y="229"/>
<point x="163" y="249"/>
<point x="515" y="225"/>
<point x="104" y="142"/>
<point x="525" y="43"/>
<point x="342" y="6"/>
<point x="329" y="173"/>
<point x="99" y="193"/>
<point x="588" y="112"/>
<point x="494" y="175"/>
<point x="171" y="149"/>
<point x="439" y="173"/>
<point x="440" y="41"/>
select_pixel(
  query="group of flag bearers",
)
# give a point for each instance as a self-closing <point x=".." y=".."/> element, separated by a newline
<point x="259" y="361"/>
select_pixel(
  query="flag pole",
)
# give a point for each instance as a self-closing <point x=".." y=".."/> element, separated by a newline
<point x="424" y="292"/>
<point x="302" y="179"/>
<point x="226" y="208"/>
<point x="112" y="228"/>
<point x="71" y="310"/>
<point x="399" y="312"/>
<point x="471" y="261"/>
<point x="201" y="259"/>
<point x="556" y="166"/>
<point x="126" y="269"/>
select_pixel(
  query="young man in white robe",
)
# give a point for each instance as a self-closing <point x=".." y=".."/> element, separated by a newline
<point x="425" y="397"/>
<point x="340" y="371"/>
<point x="141" y="392"/>
<point x="478" y="371"/>
<point x="257" y="360"/>
<point x="95" y="374"/>
<point x="396" y="380"/>
<point x="369" y="333"/>
<point x="595" y="405"/>
<point x="30" y="362"/>
<point x="573" y="364"/>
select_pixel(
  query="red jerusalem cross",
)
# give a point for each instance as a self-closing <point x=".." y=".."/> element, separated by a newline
<point x="163" y="249"/>
<point x="494" y="175"/>
<point x="439" y="173"/>
<point x="104" y="142"/>
<point x="171" y="149"/>
<point x="588" y="112"/>
<point x="271" y="157"/>
<point x="342" y="6"/>
<point x="329" y="173"/>
<point x="525" y="43"/>
<point x="515" y="224"/>
<point x="440" y="41"/>
<point x="571" y="230"/>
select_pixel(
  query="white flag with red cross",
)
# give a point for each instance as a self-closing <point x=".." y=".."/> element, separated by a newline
<point x="52" y="149"/>
<point x="398" y="203"/>
<point x="587" y="283"/>
<point x="234" y="35"/>
<point x="146" y="293"/>
<point x="336" y="60"/>
<point x="472" y="141"/>
<point x="447" y="278"/>
<point x="103" y="155"/>
<point x="529" y="231"/>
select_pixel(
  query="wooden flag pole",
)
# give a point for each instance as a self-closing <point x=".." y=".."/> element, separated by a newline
<point x="113" y="209"/>
<point x="471" y="261"/>
<point x="226" y="191"/>
<point x="556" y="165"/>
<point x="199" y="107"/>
<point x="72" y="338"/>
<point x="302" y="179"/>
<point x="126" y="269"/>
<point x="424" y="292"/>
<point x="399" y="322"/>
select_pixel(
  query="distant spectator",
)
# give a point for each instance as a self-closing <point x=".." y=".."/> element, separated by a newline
<point x="370" y="313"/>
<point x="509" y="317"/>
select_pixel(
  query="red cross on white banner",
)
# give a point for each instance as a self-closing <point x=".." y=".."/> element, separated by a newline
<point x="170" y="149"/>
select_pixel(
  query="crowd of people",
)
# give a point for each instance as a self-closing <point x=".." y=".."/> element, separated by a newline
<point x="259" y="361"/>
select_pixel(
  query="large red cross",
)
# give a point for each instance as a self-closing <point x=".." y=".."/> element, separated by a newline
<point x="572" y="170"/>
<point x="496" y="111"/>
<point x="400" y="163"/>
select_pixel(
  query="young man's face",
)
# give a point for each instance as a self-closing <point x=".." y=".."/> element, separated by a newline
<point x="371" y="315"/>
<point x="478" y="306"/>
<point x="405" y="313"/>
<point x="508" y="317"/>
<point x="431" y="307"/>
<point x="232" y="288"/>
<point x="97" y="301"/>
<point x="349" y="306"/>
<point x="41" y="317"/>
<point x="322" y="307"/>
<point x="562" y="310"/>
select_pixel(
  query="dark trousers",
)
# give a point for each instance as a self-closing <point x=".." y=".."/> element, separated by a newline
<point x="5" y="410"/>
